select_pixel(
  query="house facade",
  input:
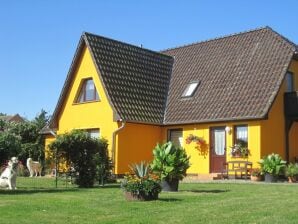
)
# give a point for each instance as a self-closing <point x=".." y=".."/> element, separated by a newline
<point x="237" y="88"/>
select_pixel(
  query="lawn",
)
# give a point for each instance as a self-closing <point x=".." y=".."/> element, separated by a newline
<point x="39" y="202"/>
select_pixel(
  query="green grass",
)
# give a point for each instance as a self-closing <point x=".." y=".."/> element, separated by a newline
<point x="37" y="201"/>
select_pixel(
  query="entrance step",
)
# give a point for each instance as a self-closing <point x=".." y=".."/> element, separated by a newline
<point x="204" y="177"/>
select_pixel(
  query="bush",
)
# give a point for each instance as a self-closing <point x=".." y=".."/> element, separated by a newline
<point x="142" y="183"/>
<point x="272" y="164"/>
<point x="170" y="161"/>
<point x="85" y="154"/>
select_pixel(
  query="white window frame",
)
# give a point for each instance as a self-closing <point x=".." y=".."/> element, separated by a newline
<point x="190" y="89"/>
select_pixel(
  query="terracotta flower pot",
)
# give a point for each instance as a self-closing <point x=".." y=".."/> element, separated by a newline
<point x="292" y="179"/>
<point x="256" y="178"/>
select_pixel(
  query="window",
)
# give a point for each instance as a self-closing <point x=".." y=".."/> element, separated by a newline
<point x="241" y="135"/>
<point x="94" y="133"/>
<point x="290" y="82"/>
<point x="175" y="136"/>
<point x="87" y="92"/>
<point x="190" y="89"/>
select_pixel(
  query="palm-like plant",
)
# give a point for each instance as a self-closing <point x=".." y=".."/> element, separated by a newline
<point x="141" y="170"/>
<point x="170" y="161"/>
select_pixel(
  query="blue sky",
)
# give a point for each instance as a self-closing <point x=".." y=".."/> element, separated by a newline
<point x="38" y="38"/>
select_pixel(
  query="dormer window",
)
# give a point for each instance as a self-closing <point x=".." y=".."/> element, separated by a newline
<point x="190" y="89"/>
<point x="88" y="92"/>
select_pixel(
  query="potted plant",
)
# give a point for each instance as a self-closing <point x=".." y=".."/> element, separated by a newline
<point x="170" y="163"/>
<point x="141" y="185"/>
<point x="239" y="149"/>
<point x="271" y="167"/>
<point x="292" y="172"/>
<point x="255" y="175"/>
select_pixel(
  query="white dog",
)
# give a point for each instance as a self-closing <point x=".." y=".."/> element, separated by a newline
<point x="33" y="167"/>
<point x="9" y="176"/>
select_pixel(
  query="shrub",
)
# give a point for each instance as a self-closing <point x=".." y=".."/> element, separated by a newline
<point x="83" y="153"/>
<point x="142" y="183"/>
<point x="170" y="161"/>
<point x="292" y="170"/>
<point x="272" y="164"/>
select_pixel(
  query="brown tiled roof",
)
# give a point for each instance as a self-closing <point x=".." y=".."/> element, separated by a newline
<point x="136" y="79"/>
<point x="12" y="118"/>
<point x="239" y="76"/>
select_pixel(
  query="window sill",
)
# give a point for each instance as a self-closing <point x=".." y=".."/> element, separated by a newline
<point x="86" y="102"/>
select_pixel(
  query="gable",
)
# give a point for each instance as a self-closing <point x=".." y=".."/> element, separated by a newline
<point x="81" y="115"/>
<point x="136" y="79"/>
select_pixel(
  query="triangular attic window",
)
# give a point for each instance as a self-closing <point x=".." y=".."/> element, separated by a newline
<point x="87" y="92"/>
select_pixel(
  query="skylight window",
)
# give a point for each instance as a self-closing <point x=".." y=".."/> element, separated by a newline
<point x="190" y="89"/>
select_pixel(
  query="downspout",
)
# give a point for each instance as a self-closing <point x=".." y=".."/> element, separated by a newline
<point x="114" y="143"/>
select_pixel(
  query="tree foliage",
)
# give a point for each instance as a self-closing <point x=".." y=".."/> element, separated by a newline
<point x="87" y="155"/>
<point x="23" y="139"/>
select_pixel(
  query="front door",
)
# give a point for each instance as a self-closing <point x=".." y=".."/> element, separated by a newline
<point x="217" y="149"/>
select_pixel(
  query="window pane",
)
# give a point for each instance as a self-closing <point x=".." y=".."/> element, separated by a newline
<point x="94" y="133"/>
<point x="290" y="82"/>
<point x="176" y="137"/>
<point x="189" y="91"/>
<point x="241" y="135"/>
<point x="90" y="90"/>
<point x="219" y="142"/>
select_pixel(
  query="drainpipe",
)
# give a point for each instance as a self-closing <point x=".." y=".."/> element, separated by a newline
<point x="114" y="143"/>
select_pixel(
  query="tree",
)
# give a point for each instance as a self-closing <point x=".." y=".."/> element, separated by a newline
<point x="23" y="139"/>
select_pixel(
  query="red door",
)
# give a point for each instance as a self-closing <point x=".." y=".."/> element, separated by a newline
<point x="217" y="149"/>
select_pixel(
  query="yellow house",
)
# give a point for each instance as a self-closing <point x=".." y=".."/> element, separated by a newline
<point x="240" y="87"/>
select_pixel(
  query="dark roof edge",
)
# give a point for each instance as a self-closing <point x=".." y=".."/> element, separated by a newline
<point x="275" y="94"/>
<point x="99" y="72"/>
<point x="53" y="122"/>
<point x="127" y="44"/>
<point x="224" y="120"/>
<point x="239" y="119"/>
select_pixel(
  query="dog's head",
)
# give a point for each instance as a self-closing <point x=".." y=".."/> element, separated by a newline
<point x="13" y="162"/>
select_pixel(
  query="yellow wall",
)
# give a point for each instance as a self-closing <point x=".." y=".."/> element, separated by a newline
<point x="273" y="129"/>
<point x="293" y="136"/>
<point x="200" y="157"/>
<point x="134" y="144"/>
<point x="88" y="115"/>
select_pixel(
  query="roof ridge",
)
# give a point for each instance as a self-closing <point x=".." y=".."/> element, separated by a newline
<point x="284" y="38"/>
<point x="128" y="44"/>
<point x="220" y="37"/>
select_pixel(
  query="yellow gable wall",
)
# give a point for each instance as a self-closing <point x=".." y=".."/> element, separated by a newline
<point x="273" y="129"/>
<point x="91" y="114"/>
<point x="293" y="146"/>
<point x="200" y="157"/>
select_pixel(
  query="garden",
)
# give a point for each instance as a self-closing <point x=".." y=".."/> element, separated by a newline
<point x="193" y="203"/>
<point x="90" y="194"/>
